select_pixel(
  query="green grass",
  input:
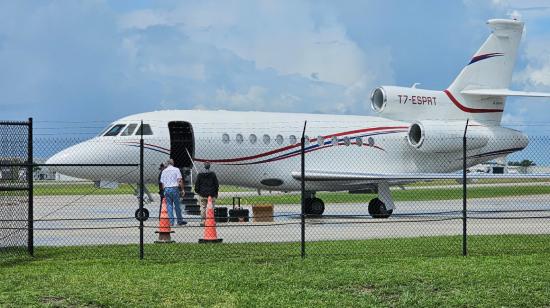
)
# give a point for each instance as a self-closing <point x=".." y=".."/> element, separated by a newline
<point x="400" y="195"/>
<point x="86" y="188"/>
<point x="82" y="189"/>
<point x="476" y="181"/>
<point x="424" y="194"/>
<point x="502" y="271"/>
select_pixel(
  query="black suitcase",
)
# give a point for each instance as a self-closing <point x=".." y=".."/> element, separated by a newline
<point x="237" y="213"/>
<point x="220" y="214"/>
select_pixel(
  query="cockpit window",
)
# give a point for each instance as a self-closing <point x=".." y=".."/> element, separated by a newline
<point x="146" y="130"/>
<point x="105" y="130"/>
<point x="114" y="130"/>
<point x="129" y="130"/>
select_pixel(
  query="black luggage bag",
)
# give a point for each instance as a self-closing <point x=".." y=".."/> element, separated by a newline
<point x="237" y="213"/>
<point x="220" y="214"/>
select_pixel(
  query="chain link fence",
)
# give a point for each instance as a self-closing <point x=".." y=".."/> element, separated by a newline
<point x="15" y="158"/>
<point x="361" y="189"/>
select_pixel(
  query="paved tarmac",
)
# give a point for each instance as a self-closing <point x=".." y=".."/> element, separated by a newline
<point x="96" y="220"/>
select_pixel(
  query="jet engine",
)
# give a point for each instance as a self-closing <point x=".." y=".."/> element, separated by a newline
<point x="443" y="136"/>
<point x="404" y="103"/>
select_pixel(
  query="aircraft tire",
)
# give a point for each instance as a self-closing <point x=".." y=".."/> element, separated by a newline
<point x="377" y="209"/>
<point x="314" y="207"/>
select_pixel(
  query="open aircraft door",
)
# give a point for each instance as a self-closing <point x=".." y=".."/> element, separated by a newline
<point x="182" y="144"/>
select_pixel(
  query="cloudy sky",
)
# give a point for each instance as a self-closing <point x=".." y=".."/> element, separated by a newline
<point x="101" y="60"/>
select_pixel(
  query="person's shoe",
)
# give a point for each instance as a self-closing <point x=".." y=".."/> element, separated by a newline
<point x="182" y="223"/>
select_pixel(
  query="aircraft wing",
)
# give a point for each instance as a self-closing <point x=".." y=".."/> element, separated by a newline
<point x="319" y="175"/>
<point x="503" y="92"/>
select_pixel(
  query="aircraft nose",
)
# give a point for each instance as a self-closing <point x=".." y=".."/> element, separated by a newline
<point x="76" y="154"/>
<point x="64" y="162"/>
<point x="94" y="160"/>
<point x="59" y="158"/>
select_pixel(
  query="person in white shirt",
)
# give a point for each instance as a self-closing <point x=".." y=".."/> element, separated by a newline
<point x="172" y="182"/>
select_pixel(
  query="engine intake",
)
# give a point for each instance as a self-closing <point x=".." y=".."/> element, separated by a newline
<point x="416" y="136"/>
<point x="405" y="103"/>
<point x="378" y="99"/>
<point x="444" y="137"/>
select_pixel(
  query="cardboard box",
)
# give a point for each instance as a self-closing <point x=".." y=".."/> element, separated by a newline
<point x="262" y="212"/>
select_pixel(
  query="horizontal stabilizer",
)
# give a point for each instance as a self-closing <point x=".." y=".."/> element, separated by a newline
<point x="503" y="92"/>
<point x="317" y="175"/>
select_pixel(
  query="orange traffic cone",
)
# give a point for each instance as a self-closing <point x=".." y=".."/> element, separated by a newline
<point x="210" y="234"/>
<point x="164" y="225"/>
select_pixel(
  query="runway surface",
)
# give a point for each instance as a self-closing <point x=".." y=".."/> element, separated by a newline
<point x="96" y="220"/>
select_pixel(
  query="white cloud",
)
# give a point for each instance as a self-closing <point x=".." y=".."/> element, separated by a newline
<point x="288" y="56"/>
<point x="255" y="97"/>
<point x="286" y="36"/>
<point x="195" y="71"/>
<point x="536" y="75"/>
<point x="143" y="19"/>
<point x="527" y="10"/>
<point x="277" y="56"/>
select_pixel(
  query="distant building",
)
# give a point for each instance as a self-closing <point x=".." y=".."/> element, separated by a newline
<point x="19" y="173"/>
<point x="490" y="167"/>
<point x="42" y="173"/>
<point x="8" y="172"/>
<point x="501" y="168"/>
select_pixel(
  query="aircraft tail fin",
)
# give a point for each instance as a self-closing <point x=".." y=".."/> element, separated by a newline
<point x="482" y="85"/>
<point x="492" y="65"/>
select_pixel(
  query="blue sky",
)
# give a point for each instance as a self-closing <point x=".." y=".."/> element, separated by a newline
<point x="100" y="60"/>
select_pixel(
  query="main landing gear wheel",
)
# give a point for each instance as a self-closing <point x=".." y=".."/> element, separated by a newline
<point x="314" y="207"/>
<point x="377" y="209"/>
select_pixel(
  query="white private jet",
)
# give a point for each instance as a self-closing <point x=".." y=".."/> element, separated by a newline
<point x="417" y="136"/>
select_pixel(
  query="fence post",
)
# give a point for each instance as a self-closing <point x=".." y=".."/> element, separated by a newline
<point x="303" y="191"/>
<point x="30" y="183"/>
<point x="464" y="194"/>
<point x="141" y="191"/>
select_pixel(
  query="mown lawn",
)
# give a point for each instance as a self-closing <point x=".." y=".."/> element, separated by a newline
<point x="502" y="271"/>
<point x="82" y="189"/>
<point x="424" y="194"/>
<point x="68" y="188"/>
<point x="400" y="195"/>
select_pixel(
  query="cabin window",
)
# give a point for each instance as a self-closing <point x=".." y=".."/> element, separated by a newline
<point x="266" y="139"/>
<point x="334" y="140"/>
<point x="239" y="138"/>
<point x="129" y="130"/>
<point x="146" y="130"/>
<point x="115" y="130"/>
<point x="306" y="140"/>
<point x="359" y="141"/>
<point x="347" y="142"/>
<point x="320" y="140"/>
<point x="292" y="139"/>
<point x="252" y="138"/>
<point x="225" y="138"/>
<point x="370" y="141"/>
<point x="279" y="139"/>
